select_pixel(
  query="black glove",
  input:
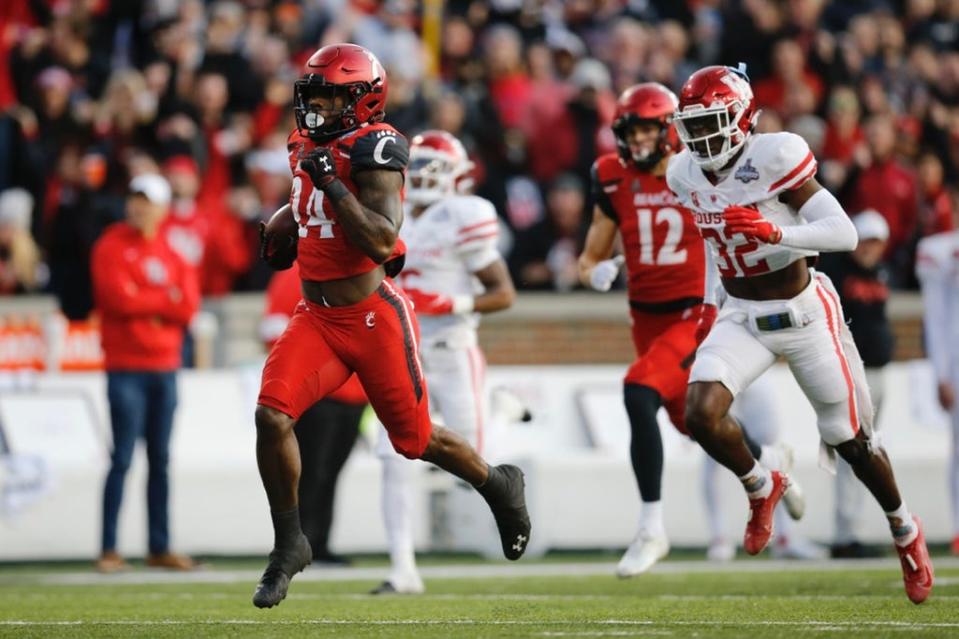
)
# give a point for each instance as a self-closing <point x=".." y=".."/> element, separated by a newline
<point x="320" y="166"/>
<point x="278" y="258"/>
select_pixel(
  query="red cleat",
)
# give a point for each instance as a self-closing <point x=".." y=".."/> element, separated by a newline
<point x="917" y="572"/>
<point x="759" y="528"/>
<point x="955" y="545"/>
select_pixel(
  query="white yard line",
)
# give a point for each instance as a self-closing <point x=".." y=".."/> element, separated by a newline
<point x="460" y="571"/>
<point x="491" y="622"/>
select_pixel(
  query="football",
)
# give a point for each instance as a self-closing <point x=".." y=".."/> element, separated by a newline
<point x="278" y="239"/>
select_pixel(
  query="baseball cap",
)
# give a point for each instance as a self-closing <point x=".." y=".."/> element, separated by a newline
<point x="152" y="186"/>
<point x="871" y="225"/>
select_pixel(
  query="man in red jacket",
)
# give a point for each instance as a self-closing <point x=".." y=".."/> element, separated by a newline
<point x="145" y="295"/>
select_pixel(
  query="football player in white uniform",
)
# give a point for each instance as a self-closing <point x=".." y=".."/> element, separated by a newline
<point x="937" y="267"/>
<point x="453" y="273"/>
<point x="762" y="213"/>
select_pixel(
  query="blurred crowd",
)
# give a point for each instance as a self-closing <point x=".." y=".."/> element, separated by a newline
<point x="94" y="92"/>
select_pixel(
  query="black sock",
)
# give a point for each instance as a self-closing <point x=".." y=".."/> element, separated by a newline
<point x="286" y="528"/>
<point x="751" y="444"/>
<point x="494" y="484"/>
<point x="646" y="444"/>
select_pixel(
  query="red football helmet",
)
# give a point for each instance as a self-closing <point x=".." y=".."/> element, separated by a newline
<point x="439" y="167"/>
<point x="716" y="115"/>
<point x="640" y="103"/>
<point x="352" y="83"/>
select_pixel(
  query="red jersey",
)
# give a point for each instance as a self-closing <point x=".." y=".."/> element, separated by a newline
<point x="324" y="252"/>
<point x="665" y="255"/>
<point x="146" y="295"/>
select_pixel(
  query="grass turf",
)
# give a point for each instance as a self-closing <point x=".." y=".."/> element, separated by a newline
<point x="779" y="603"/>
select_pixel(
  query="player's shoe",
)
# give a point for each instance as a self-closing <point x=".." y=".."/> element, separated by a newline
<point x="794" y="499"/>
<point x="720" y="550"/>
<point x="282" y="566"/>
<point x="917" y="573"/>
<point x="405" y="585"/>
<point x="642" y="554"/>
<point x="509" y="511"/>
<point x="797" y="548"/>
<point x="954" y="549"/>
<point x="759" y="528"/>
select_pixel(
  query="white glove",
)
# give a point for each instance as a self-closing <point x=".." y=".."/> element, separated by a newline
<point x="604" y="273"/>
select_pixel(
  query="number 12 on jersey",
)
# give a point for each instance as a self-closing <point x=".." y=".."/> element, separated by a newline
<point x="648" y="220"/>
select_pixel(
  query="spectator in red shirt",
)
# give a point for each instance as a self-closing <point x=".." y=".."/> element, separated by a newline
<point x="145" y="296"/>
<point x="326" y="432"/>
<point x="935" y="204"/>
<point x="789" y="74"/>
<point x="890" y="188"/>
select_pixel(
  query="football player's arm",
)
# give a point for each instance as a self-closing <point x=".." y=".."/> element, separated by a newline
<point x="498" y="290"/>
<point x="826" y="227"/>
<point x="372" y="218"/>
<point x="596" y="269"/>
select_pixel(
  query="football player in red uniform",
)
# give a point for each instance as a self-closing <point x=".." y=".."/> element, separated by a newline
<point x="664" y="257"/>
<point x="346" y="201"/>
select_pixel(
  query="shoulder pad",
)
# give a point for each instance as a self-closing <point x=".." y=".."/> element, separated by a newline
<point x="604" y="181"/>
<point x="381" y="148"/>
<point x="675" y="175"/>
<point x="779" y="161"/>
<point x="469" y="211"/>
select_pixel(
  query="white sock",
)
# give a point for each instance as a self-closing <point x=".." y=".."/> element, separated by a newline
<point x="758" y="482"/>
<point x="902" y="525"/>
<point x="397" y="518"/>
<point x="651" y="519"/>
<point x="770" y="458"/>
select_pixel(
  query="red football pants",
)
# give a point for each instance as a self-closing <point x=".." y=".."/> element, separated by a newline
<point x="665" y="348"/>
<point x="377" y="339"/>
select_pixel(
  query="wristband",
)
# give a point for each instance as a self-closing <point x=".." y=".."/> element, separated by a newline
<point x="336" y="190"/>
<point x="463" y="304"/>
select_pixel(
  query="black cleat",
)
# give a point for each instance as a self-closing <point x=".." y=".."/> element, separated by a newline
<point x="509" y="511"/>
<point x="385" y="588"/>
<point x="282" y="566"/>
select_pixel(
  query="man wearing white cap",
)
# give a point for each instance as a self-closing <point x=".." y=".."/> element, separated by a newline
<point x="937" y="267"/>
<point x="861" y="279"/>
<point x="145" y="295"/>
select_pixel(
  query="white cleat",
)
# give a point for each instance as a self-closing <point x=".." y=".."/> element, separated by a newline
<point x="798" y="548"/>
<point x="401" y="585"/>
<point x="641" y="555"/>
<point x="794" y="499"/>
<point x="720" y="550"/>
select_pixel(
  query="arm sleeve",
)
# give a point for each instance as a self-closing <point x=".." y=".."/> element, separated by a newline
<point x="115" y="291"/>
<point x="936" y="320"/>
<point x="827" y="226"/>
<point x="600" y="197"/>
<point x="183" y="310"/>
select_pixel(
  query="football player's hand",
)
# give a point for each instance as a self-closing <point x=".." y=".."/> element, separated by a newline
<point x="433" y="304"/>
<point x="320" y="166"/>
<point x="751" y="224"/>
<point x="707" y="317"/>
<point x="603" y="275"/>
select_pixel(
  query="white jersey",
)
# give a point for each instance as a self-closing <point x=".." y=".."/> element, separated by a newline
<point x="770" y="164"/>
<point x="445" y="245"/>
<point x="937" y="267"/>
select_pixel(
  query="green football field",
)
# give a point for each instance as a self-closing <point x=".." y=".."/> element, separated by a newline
<point x="754" y="598"/>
